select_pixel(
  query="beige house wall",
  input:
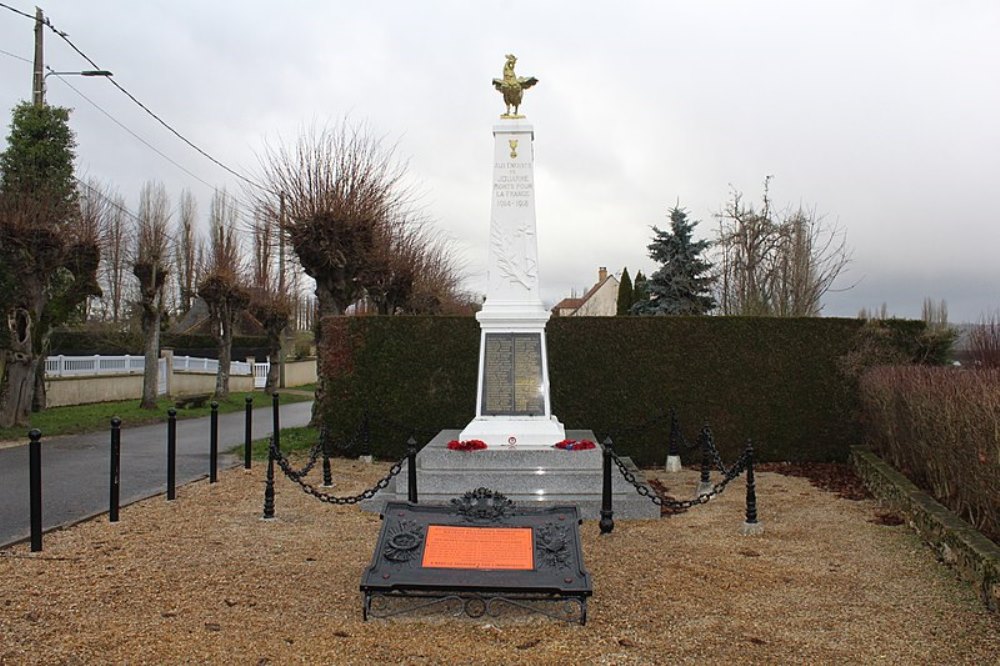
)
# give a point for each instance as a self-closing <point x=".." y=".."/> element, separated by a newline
<point x="602" y="303"/>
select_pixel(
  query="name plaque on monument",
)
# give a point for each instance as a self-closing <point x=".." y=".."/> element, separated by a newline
<point x="512" y="374"/>
<point x="497" y="548"/>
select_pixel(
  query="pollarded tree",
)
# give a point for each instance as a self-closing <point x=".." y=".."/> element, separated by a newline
<point x="48" y="256"/>
<point x="223" y="286"/>
<point x="626" y="295"/>
<point x="682" y="284"/>
<point x="338" y="188"/>
<point x="150" y="266"/>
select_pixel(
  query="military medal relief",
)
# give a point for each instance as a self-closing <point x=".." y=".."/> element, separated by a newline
<point x="512" y="374"/>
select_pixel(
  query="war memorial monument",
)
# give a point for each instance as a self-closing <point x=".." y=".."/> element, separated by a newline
<point x="513" y="409"/>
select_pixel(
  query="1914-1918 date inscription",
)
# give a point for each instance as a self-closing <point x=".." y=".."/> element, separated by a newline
<point x="512" y="374"/>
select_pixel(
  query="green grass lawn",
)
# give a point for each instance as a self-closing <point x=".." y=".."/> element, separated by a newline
<point x="96" y="417"/>
<point x="292" y="439"/>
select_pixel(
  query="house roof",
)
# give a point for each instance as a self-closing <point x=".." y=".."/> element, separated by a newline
<point x="569" y="303"/>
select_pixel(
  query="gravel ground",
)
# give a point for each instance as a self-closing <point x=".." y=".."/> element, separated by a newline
<point x="203" y="580"/>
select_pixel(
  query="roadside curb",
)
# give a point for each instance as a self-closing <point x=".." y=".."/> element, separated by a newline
<point x="955" y="542"/>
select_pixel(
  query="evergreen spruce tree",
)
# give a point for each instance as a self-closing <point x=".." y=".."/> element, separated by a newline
<point x="625" y="294"/>
<point x="682" y="284"/>
<point x="640" y="293"/>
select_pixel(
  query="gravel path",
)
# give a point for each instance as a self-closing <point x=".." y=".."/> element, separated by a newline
<point x="204" y="580"/>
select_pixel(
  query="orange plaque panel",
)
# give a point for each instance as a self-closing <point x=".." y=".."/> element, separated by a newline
<point x="509" y="548"/>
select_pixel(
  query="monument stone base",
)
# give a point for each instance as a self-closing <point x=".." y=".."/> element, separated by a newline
<point x="534" y="478"/>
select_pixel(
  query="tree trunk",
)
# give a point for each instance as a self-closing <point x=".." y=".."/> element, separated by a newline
<point x="39" y="401"/>
<point x="151" y="373"/>
<point x="225" y="340"/>
<point x="17" y="380"/>
<point x="18" y="387"/>
<point x="274" y="369"/>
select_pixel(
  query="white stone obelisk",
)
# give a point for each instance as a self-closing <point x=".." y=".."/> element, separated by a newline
<point x="512" y="400"/>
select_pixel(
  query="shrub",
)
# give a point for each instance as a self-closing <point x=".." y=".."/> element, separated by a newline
<point x="939" y="426"/>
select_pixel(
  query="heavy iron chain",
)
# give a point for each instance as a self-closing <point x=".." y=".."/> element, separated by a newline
<point x="717" y="457"/>
<point x="681" y="505"/>
<point x="283" y="463"/>
<point x="313" y="457"/>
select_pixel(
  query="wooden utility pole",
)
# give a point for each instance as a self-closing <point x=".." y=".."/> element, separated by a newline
<point x="38" y="79"/>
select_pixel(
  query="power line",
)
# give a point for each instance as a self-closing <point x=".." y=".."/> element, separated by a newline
<point x="16" y="11"/>
<point x="136" y="136"/>
<point x="65" y="37"/>
<point x="14" y="55"/>
<point x="149" y="111"/>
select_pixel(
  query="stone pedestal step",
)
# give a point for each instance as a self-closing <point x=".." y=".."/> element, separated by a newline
<point x="530" y="477"/>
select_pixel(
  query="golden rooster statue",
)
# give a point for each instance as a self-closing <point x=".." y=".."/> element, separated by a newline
<point x="512" y="87"/>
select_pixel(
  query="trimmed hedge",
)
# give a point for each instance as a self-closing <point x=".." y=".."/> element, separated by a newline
<point x="778" y="381"/>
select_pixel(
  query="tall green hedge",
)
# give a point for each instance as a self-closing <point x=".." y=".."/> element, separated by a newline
<point x="775" y="380"/>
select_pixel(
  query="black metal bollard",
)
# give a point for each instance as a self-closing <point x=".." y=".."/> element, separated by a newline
<point x="275" y="421"/>
<point x="607" y="522"/>
<point x="116" y="450"/>
<point x="751" y="526"/>
<point x="706" y="456"/>
<point x="366" y="437"/>
<point x="674" y="440"/>
<point x="35" y="487"/>
<point x="269" y="484"/>
<point x="171" y="454"/>
<point x="411" y="469"/>
<point x="213" y="446"/>
<point x="324" y="441"/>
<point x="247" y="431"/>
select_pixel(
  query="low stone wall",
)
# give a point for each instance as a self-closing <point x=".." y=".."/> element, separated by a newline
<point x="195" y="383"/>
<point x="956" y="542"/>
<point x="62" y="391"/>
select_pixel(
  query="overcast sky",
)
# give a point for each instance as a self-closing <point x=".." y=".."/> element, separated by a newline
<point x="883" y="116"/>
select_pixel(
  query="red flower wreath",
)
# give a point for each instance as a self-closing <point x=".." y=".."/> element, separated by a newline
<point x="468" y="445"/>
<point x="575" y="445"/>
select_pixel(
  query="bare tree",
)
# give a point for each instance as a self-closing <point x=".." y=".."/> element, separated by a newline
<point x="340" y="185"/>
<point x="150" y="261"/>
<point x="223" y="287"/>
<point x="270" y="303"/>
<point x="115" y="238"/>
<point x="776" y="264"/>
<point x="186" y="251"/>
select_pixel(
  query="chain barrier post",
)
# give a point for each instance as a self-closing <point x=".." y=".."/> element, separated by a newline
<point x="607" y="522"/>
<point x="275" y="421"/>
<point x="35" y="487"/>
<point x="411" y="469"/>
<point x="213" y="445"/>
<point x="324" y="440"/>
<point x="366" y="439"/>
<point x="116" y="448"/>
<point x="269" y="483"/>
<point x="751" y="527"/>
<point x="674" y="444"/>
<point x="705" y="483"/>
<point x="247" y="430"/>
<point x="171" y="454"/>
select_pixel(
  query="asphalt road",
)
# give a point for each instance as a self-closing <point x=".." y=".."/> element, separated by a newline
<point x="76" y="468"/>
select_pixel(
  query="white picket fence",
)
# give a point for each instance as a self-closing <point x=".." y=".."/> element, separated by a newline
<point x="97" y="365"/>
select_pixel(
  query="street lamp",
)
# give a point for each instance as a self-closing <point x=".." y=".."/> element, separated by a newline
<point x="86" y="72"/>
